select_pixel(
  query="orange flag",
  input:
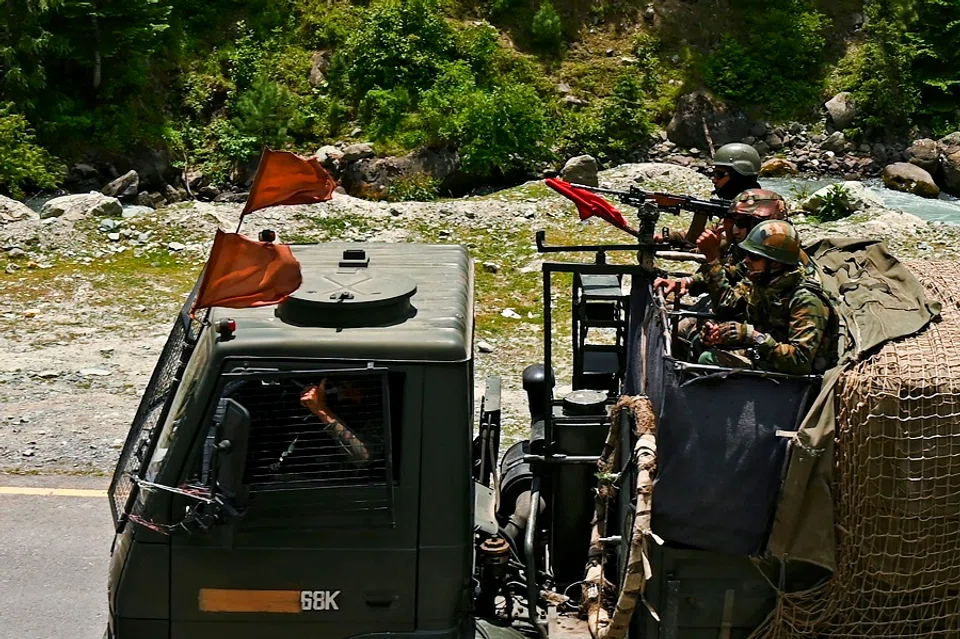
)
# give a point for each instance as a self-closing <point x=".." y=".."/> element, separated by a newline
<point x="287" y="178"/>
<point x="242" y="273"/>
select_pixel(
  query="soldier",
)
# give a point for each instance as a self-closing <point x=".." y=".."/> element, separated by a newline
<point x="735" y="169"/>
<point x="748" y="209"/>
<point x="790" y="325"/>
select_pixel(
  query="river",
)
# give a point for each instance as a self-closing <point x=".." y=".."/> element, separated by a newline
<point x="944" y="209"/>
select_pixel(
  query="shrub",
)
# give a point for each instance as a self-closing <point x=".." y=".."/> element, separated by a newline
<point x="420" y="187"/>
<point x="23" y="164"/>
<point x="611" y="127"/>
<point x="777" y="61"/>
<point x="835" y="204"/>
<point x="547" y="30"/>
<point x="267" y="113"/>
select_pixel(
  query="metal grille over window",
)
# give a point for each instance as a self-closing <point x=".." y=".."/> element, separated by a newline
<point x="152" y="408"/>
<point x="321" y="438"/>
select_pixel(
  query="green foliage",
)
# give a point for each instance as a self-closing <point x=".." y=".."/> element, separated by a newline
<point x="400" y="43"/>
<point x="23" y="164"/>
<point x="835" y="204"/>
<point x="546" y="29"/>
<point x="419" y="187"/>
<point x="936" y="66"/>
<point x="612" y="126"/>
<point x="777" y="61"/>
<point x="881" y="84"/>
<point x="266" y="112"/>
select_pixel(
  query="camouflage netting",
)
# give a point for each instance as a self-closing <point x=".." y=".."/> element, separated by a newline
<point x="897" y="489"/>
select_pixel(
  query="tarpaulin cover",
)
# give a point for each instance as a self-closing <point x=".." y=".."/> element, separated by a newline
<point x="715" y="432"/>
<point x="719" y="458"/>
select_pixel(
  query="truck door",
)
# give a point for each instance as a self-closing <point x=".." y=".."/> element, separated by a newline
<point x="328" y="542"/>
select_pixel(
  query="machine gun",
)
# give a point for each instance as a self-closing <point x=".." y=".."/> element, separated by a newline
<point x="702" y="209"/>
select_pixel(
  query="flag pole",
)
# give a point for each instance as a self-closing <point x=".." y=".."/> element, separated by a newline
<point x="253" y="187"/>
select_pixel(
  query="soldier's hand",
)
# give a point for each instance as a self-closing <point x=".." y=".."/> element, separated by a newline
<point x="670" y="286"/>
<point x="728" y="334"/>
<point x="314" y="398"/>
<point x="709" y="245"/>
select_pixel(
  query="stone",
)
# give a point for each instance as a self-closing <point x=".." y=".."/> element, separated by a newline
<point x="572" y="100"/>
<point x="130" y="212"/>
<point x="16" y="253"/>
<point x="581" y="169"/>
<point x="12" y="211"/>
<point x="171" y="194"/>
<point x="81" y="178"/>
<point x="950" y="172"/>
<point x="491" y="267"/>
<point x="484" y="347"/>
<point x="903" y="176"/>
<point x="841" y="110"/>
<point x="77" y="207"/>
<point x="95" y="372"/>
<point x="796" y="128"/>
<point x="234" y="197"/>
<point x="774" y="141"/>
<point x="778" y="167"/>
<point x="759" y="129"/>
<point x="144" y="199"/>
<point x="563" y="88"/>
<point x="208" y="193"/>
<point x="762" y="148"/>
<point x="835" y="142"/>
<point x="374" y="176"/>
<point x="725" y="122"/>
<point x="510" y="313"/>
<point x="318" y="68"/>
<point x="329" y="157"/>
<point x="176" y="246"/>
<point x="195" y="179"/>
<point x="749" y="140"/>
<point x="858" y="197"/>
<point x="113" y="237"/>
<point x="109" y="224"/>
<point x="357" y="152"/>
<point x="124" y="188"/>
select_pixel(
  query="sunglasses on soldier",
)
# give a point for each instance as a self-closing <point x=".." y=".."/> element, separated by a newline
<point x="745" y="221"/>
<point x="719" y="173"/>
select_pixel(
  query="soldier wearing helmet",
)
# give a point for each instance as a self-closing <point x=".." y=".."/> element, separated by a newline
<point x="735" y="169"/>
<point x="790" y="326"/>
<point x="747" y="210"/>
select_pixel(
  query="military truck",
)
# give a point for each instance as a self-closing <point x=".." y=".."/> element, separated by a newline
<point x="318" y="468"/>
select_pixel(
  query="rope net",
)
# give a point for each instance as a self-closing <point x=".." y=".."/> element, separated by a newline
<point x="896" y="490"/>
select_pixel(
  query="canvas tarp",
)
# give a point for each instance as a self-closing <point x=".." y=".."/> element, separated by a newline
<point x="878" y="300"/>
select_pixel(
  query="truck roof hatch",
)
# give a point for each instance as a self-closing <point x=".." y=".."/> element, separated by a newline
<point x="354" y="295"/>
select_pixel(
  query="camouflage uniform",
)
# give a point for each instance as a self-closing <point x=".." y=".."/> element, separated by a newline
<point x="796" y="325"/>
<point x="791" y="311"/>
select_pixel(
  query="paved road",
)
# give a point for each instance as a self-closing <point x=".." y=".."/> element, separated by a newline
<point x="54" y="551"/>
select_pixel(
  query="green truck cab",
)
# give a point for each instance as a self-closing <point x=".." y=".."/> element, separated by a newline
<point x="243" y="509"/>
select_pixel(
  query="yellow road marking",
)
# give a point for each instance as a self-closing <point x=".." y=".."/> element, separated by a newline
<point x="52" y="492"/>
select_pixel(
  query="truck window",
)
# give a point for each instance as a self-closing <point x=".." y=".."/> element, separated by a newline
<point x="315" y="430"/>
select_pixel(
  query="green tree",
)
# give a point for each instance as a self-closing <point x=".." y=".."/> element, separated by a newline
<point x="936" y="65"/>
<point x="24" y="42"/>
<point x="23" y="164"/>
<point x="547" y="29"/>
<point x="776" y="61"/>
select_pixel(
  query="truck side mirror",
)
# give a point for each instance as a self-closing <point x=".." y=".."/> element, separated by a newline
<point x="233" y="429"/>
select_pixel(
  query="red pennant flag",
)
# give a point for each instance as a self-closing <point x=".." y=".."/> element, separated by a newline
<point x="589" y="204"/>
<point x="242" y="273"/>
<point x="287" y="178"/>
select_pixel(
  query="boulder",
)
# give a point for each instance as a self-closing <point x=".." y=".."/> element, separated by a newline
<point x="725" y="122"/>
<point x="318" y="68"/>
<point x="154" y="168"/>
<point x="924" y="153"/>
<point x="841" y="110"/>
<point x="949" y="148"/>
<point x="124" y="188"/>
<point x="835" y="142"/>
<point x="778" y="167"/>
<point x="910" y="178"/>
<point x="356" y="152"/>
<point x="581" y="169"/>
<point x="77" y="207"/>
<point x="374" y="176"/>
<point x="13" y="210"/>
<point x="82" y="178"/>
<point x="858" y="198"/>
<point x="195" y="180"/>
<point x="329" y="157"/>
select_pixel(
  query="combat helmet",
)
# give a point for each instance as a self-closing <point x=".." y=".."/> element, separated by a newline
<point x="742" y="158"/>
<point x="775" y="240"/>
<point x="762" y="204"/>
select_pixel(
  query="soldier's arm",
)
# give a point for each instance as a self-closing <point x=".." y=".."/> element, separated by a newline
<point x="808" y="324"/>
<point x="727" y="292"/>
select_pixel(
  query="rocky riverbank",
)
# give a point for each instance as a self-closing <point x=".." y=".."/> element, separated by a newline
<point x="90" y="291"/>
